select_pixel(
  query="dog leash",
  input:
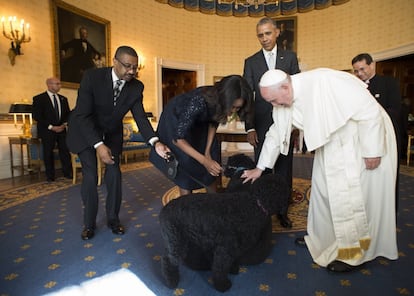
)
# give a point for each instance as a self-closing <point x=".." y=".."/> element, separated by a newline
<point x="171" y="157"/>
<point x="197" y="181"/>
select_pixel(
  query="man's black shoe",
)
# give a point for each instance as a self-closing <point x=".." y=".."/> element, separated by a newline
<point x="339" y="266"/>
<point x="284" y="221"/>
<point x="87" y="233"/>
<point x="117" y="228"/>
<point x="300" y="241"/>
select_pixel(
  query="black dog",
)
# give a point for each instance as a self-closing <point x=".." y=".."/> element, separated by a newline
<point x="236" y="165"/>
<point x="222" y="227"/>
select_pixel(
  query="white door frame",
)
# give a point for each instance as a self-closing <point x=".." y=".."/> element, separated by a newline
<point x="165" y="63"/>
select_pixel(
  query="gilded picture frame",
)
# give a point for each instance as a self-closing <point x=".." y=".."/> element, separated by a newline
<point x="81" y="41"/>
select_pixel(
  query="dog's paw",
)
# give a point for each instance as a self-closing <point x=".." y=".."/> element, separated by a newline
<point x="170" y="273"/>
<point x="234" y="269"/>
<point x="222" y="284"/>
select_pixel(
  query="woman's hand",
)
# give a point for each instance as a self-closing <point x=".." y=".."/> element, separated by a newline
<point x="252" y="175"/>
<point x="212" y="166"/>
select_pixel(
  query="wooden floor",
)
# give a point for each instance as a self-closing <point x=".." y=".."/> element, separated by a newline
<point x="18" y="181"/>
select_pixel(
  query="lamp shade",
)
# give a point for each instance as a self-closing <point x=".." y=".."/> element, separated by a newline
<point x="20" y="108"/>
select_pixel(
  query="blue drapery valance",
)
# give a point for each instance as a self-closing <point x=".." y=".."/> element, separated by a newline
<point x="284" y="7"/>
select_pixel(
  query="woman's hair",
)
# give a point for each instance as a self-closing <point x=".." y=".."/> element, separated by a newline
<point x="226" y="91"/>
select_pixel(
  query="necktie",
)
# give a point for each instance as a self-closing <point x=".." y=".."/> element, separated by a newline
<point x="271" y="60"/>
<point x="55" y="104"/>
<point x="117" y="90"/>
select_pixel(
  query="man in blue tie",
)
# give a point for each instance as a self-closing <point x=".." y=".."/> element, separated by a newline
<point x="254" y="67"/>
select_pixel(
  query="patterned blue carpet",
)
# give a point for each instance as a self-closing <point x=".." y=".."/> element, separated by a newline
<point x="41" y="251"/>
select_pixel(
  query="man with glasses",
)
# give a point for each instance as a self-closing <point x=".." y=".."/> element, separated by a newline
<point x="386" y="91"/>
<point x="96" y="130"/>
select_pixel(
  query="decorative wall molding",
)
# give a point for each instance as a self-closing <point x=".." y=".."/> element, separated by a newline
<point x="394" y="52"/>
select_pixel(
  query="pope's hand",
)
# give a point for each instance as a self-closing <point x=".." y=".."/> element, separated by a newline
<point x="251" y="175"/>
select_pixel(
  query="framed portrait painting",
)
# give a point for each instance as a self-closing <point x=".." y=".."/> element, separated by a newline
<point x="287" y="39"/>
<point x="82" y="41"/>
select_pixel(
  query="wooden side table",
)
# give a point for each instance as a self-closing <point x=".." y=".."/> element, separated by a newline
<point x="32" y="165"/>
<point x="229" y="135"/>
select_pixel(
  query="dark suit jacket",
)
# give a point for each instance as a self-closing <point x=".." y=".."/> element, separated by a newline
<point x="254" y="67"/>
<point x="44" y="113"/>
<point x="386" y="91"/>
<point x="95" y="118"/>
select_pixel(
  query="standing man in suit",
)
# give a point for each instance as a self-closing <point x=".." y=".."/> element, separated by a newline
<point x="51" y="112"/>
<point x="95" y="129"/>
<point x="254" y="67"/>
<point x="386" y="91"/>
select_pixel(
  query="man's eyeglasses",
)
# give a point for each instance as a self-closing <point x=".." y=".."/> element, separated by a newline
<point x="128" y="66"/>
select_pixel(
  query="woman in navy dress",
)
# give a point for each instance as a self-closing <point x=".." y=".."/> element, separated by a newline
<point x="188" y="127"/>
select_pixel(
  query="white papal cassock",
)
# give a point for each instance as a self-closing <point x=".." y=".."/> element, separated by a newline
<point x="351" y="214"/>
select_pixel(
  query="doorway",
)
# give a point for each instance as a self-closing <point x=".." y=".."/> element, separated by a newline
<point x="401" y="68"/>
<point x="175" y="77"/>
<point x="176" y="82"/>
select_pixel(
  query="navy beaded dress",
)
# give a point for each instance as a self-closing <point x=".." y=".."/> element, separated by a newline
<point x="187" y="116"/>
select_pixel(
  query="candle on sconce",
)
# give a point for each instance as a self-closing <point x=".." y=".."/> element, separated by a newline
<point x="28" y="30"/>
<point x="2" y="22"/>
<point x="12" y="20"/>
<point x="22" y="25"/>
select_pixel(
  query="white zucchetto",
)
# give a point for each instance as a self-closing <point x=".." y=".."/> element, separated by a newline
<point x="272" y="77"/>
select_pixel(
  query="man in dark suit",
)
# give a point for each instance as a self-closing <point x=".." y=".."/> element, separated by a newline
<point x="386" y="91"/>
<point x="51" y="112"/>
<point x="78" y="55"/>
<point x="95" y="130"/>
<point x="254" y="67"/>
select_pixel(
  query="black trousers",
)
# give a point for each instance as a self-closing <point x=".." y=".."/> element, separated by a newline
<point x="49" y="142"/>
<point x="89" y="191"/>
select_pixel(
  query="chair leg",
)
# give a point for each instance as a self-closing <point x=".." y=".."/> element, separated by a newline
<point x="73" y="174"/>
<point x="99" y="170"/>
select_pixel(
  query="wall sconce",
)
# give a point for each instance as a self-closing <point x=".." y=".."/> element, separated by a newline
<point x="141" y="63"/>
<point x="25" y="110"/>
<point x="14" y="35"/>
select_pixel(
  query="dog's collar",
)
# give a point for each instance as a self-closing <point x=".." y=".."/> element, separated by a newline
<point x="237" y="169"/>
<point x="259" y="204"/>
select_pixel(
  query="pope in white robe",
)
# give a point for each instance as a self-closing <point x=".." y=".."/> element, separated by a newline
<point x="351" y="217"/>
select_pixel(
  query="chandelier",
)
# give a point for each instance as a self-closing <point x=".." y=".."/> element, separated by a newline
<point x="247" y="3"/>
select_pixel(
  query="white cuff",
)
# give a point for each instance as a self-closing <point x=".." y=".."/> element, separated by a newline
<point x="97" y="144"/>
<point x="153" y="141"/>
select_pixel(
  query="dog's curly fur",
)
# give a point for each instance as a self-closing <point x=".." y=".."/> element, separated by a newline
<point x="218" y="228"/>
